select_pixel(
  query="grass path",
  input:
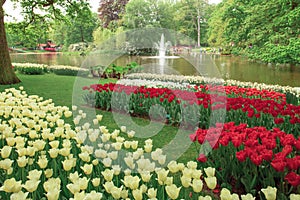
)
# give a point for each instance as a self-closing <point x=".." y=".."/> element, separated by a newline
<point x="60" y="89"/>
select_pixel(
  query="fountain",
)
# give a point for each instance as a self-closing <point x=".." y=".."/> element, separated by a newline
<point x="162" y="47"/>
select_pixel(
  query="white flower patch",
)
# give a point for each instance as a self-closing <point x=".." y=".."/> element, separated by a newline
<point x="179" y="79"/>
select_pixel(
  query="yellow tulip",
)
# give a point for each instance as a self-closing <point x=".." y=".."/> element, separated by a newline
<point x="34" y="174"/>
<point x="129" y="162"/>
<point x="123" y="129"/>
<point x="162" y="159"/>
<point x="31" y="185"/>
<point x="6" y="164"/>
<point x="48" y="173"/>
<point x="173" y="166"/>
<point x="108" y="186"/>
<point x="196" y="174"/>
<point x="30" y="151"/>
<point x="99" y="117"/>
<point x="42" y="162"/>
<point x="22" y="151"/>
<point x="169" y="181"/>
<point x="10" y="141"/>
<point x="270" y="192"/>
<point x="65" y="151"/>
<point x="87" y="168"/>
<point x="210" y="172"/>
<point x="127" y="144"/>
<point x="53" y="153"/>
<point x="152" y="193"/>
<point x="117" y="145"/>
<point x="148" y="148"/>
<point x="162" y="176"/>
<point x="5" y="151"/>
<point x="204" y="198"/>
<point x="173" y="191"/>
<point x="107" y="162"/>
<point x="39" y="145"/>
<point x="67" y="164"/>
<point x="197" y="185"/>
<point x="53" y="194"/>
<point x="124" y="194"/>
<point x="93" y="195"/>
<point x="185" y="181"/>
<point x="19" y="196"/>
<point x="131" y="134"/>
<point x="113" y="155"/>
<point x="144" y="188"/>
<point x="117" y="169"/>
<point x="96" y="182"/>
<point x="79" y="195"/>
<point x="108" y="174"/>
<point x="54" y="144"/>
<point x="116" y="192"/>
<point x="187" y="172"/>
<point x="11" y="185"/>
<point x="84" y="156"/>
<point x="192" y="165"/>
<point x="247" y="197"/>
<point x="211" y="182"/>
<point x="73" y="187"/>
<point x="95" y="162"/>
<point x="131" y="182"/>
<point x="137" y="194"/>
<point x="294" y="196"/>
<point x="225" y="194"/>
<point x="68" y="114"/>
<point x="83" y="183"/>
<point x="74" y="177"/>
<point x="22" y="161"/>
<point x="146" y="176"/>
<point x="115" y="134"/>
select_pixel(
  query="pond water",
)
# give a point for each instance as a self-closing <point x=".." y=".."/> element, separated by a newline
<point x="226" y="67"/>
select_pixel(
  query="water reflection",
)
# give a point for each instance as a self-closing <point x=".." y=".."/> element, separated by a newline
<point x="230" y="67"/>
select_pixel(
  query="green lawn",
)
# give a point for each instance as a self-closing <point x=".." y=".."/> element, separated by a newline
<point x="60" y="89"/>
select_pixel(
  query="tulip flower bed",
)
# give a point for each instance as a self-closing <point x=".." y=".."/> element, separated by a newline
<point x="195" y="105"/>
<point x="43" y="157"/>
<point x="292" y="94"/>
<point x="243" y="155"/>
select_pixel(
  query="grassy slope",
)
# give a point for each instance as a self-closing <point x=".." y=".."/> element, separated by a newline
<point x="60" y="89"/>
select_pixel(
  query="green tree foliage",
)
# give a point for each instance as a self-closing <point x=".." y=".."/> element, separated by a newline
<point x="149" y="13"/>
<point x="29" y="35"/>
<point x="33" y="11"/>
<point x="271" y="27"/>
<point x="186" y="16"/>
<point x="79" y="27"/>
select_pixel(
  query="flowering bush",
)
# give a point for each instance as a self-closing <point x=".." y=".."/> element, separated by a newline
<point x="30" y="69"/>
<point x="42" y="156"/>
<point x="68" y="70"/>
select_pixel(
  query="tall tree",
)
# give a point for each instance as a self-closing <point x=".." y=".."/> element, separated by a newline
<point x="7" y="74"/>
<point x="33" y="10"/>
<point x="111" y="11"/>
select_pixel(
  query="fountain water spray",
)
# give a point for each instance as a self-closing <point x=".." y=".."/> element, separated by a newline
<point x="162" y="46"/>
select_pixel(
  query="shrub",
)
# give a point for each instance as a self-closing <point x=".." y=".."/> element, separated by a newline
<point x="30" y="69"/>
<point x="68" y="70"/>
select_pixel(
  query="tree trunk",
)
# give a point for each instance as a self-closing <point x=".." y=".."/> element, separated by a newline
<point x="198" y="28"/>
<point x="7" y="73"/>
